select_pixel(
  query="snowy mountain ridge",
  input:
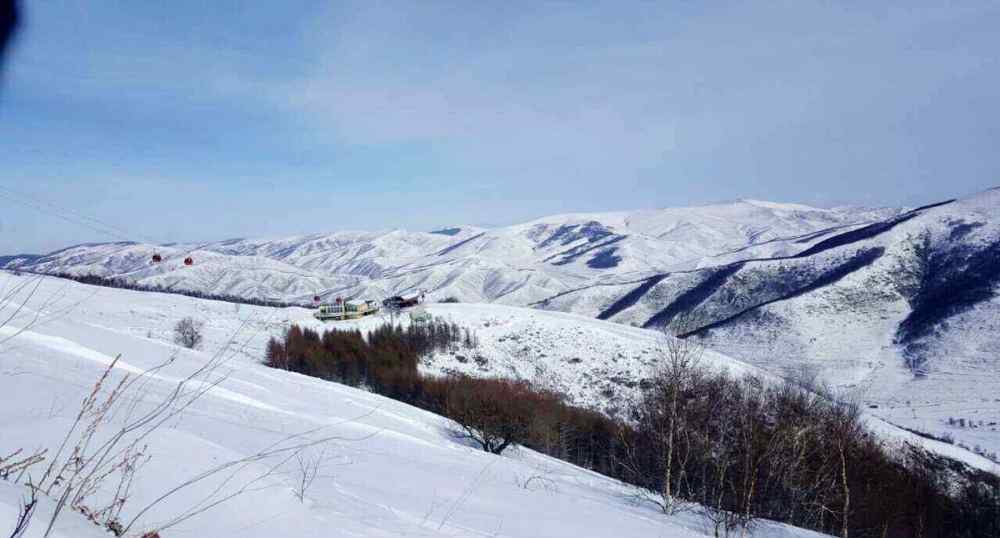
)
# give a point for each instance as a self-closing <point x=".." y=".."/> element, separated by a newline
<point x="516" y="264"/>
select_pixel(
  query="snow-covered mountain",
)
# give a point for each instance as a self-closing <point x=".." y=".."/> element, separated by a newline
<point x="905" y="312"/>
<point x="517" y="264"/>
<point x="899" y="306"/>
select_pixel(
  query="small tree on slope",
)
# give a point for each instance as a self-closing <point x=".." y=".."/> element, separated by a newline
<point x="187" y="333"/>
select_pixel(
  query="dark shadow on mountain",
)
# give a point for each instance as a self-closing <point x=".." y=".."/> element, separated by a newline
<point x="955" y="280"/>
<point x="450" y="248"/>
<point x="694" y="296"/>
<point x="572" y="254"/>
<point x="568" y="233"/>
<point x="866" y="232"/>
<point x="632" y="297"/>
<point x="859" y="260"/>
<point x="605" y="259"/>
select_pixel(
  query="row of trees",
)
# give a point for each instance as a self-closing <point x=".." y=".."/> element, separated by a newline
<point x="385" y="361"/>
<point x="736" y="448"/>
<point x="745" y="449"/>
<point x="491" y="412"/>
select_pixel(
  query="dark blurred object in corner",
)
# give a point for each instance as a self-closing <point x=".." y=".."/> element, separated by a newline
<point x="8" y="24"/>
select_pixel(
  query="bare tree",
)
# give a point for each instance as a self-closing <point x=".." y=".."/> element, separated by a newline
<point x="494" y="413"/>
<point x="187" y="333"/>
<point x="681" y="361"/>
<point x="845" y="431"/>
<point x="757" y="443"/>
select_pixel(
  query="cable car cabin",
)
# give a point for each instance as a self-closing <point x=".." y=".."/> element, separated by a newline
<point x="345" y="310"/>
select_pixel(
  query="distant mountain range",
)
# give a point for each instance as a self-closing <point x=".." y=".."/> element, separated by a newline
<point x="518" y="264"/>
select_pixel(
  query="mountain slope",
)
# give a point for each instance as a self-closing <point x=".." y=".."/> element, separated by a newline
<point x="904" y="312"/>
<point x="899" y="307"/>
<point x="392" y="471"/>
<point x="517" y="264"/>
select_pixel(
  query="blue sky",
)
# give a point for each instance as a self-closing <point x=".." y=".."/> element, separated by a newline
<point x="177" y="121"/>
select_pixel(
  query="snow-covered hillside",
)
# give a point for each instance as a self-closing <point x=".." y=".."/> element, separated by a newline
<point x="899" y="307"/>
<point x="517" y="264"/>
<point x="904" y="313"/>
<point x="596" y="364"/>
<point x="392" y="470"/>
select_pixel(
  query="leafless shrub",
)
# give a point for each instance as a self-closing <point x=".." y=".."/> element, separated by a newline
<point x="92" y="452"/>
<point x="96" y="464"/>
<point x="307" y="468"/>
<point x="188" y="333"/>
<point x="94" y="467"/>
<point x="722" y="522"/>
<point x="13" y="468"/>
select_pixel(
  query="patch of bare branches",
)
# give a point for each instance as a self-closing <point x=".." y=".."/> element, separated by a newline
<point x="188" y="333"/>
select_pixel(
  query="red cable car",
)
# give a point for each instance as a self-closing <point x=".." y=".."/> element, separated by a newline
<point x="188" y="261"/>
<point x="157" y="258"/>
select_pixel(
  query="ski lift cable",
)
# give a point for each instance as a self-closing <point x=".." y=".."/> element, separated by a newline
<point x="58" y="210"/>
<point x="87" y="221"/>
<point x="91" y="223"/>
<point x="60" y="213"/>
<point x="67" y="218"/>
<point x="109" y="230"/>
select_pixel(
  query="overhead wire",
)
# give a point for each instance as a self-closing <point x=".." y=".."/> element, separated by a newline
<point x="110" y="230"/>
<point x="52" y="211"/>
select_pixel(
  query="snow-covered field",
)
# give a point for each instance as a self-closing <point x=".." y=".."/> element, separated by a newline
<point x="391" y="469"/>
